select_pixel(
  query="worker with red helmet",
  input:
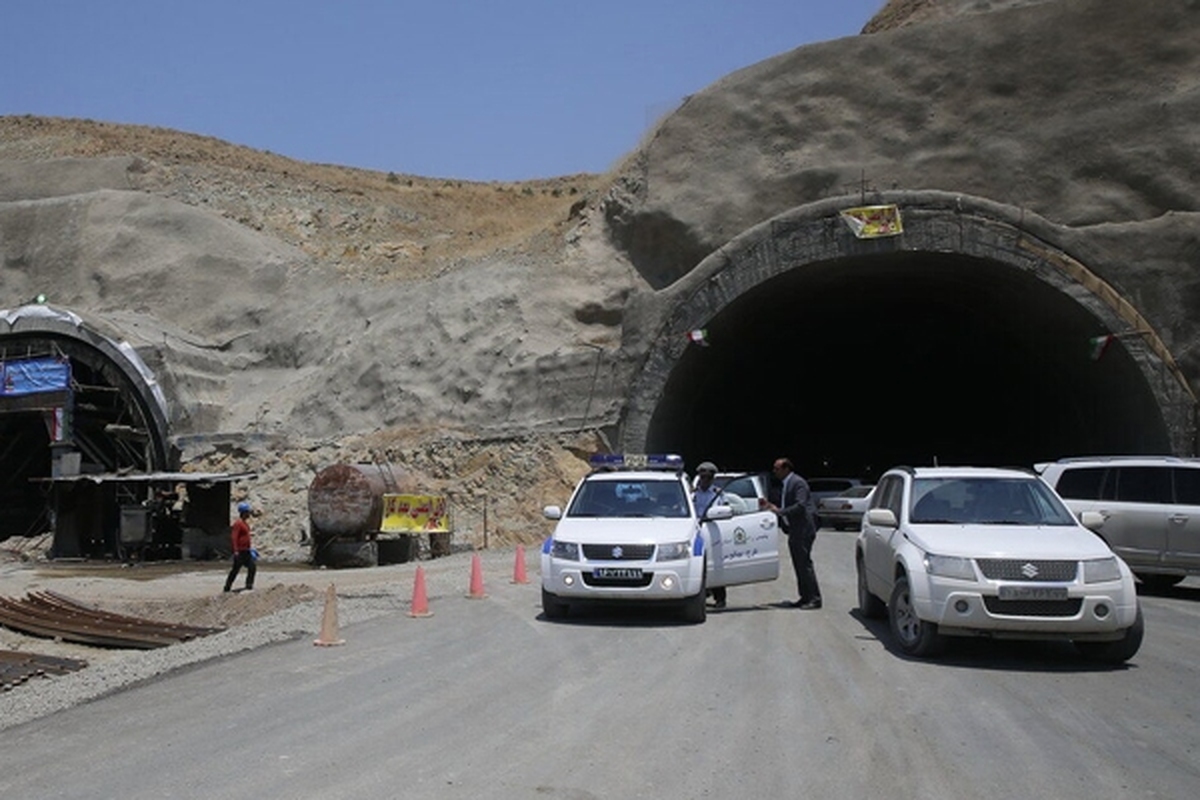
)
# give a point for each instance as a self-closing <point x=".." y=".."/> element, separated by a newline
<point x="244" y="553"/>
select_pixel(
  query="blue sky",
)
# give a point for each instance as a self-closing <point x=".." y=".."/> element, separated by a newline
<point x="463" y="89"/>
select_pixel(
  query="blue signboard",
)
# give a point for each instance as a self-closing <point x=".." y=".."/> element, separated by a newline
<point x="34" y="376"/>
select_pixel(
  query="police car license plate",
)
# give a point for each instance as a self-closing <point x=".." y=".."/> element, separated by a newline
<point x="1033" y="593"/>
<point x="618" y="573"/>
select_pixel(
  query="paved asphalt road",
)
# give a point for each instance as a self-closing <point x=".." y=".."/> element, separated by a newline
<point x="487" y="700"/>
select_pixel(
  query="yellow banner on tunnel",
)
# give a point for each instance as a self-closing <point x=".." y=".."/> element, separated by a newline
<point x="872" y="222"/>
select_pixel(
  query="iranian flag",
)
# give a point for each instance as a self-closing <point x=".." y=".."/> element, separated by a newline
<point x="1099" y="345"/>
<point x="698" y="336"/>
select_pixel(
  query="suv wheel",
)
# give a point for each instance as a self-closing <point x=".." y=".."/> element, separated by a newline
<point x="869" y="605"/>
<point x="1120" y="651"/>
<point x="915" y="636"/>
<point x="552" y="607"/>
<point x="694" y="609"/>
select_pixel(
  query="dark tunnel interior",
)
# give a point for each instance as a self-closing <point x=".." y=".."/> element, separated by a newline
<point x="854" y="366"/>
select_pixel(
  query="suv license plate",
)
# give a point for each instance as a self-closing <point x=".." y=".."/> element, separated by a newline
<point x="617" y="572"/>
<point x="1033" y="593"/>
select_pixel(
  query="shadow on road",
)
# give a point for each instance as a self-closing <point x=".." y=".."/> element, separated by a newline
<point x="618" y="615"/>
<point x="1191" y="593"/>
<point x="1006" y="655"/>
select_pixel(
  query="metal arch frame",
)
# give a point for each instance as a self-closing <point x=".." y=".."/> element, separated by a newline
<point x="69" y="326"/>
<point x="933" y="221"/>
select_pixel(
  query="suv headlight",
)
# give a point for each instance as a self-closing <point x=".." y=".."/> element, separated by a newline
<point x="567" y="551"/>
<point x="673" y="551"/>
<point x="1101" y="570"/>
<point x="950" y="567"/>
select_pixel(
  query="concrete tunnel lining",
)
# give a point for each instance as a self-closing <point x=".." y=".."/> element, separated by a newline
<point x="988" y="270"/>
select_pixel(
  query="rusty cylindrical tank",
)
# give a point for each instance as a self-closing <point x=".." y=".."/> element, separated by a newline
<point x="345" y="501"/>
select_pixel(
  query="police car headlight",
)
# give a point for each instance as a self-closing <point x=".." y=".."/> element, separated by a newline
<point x="673" y="551"/>
<point x="1100" y="570"/>
<point x="567" y="551"/>
<point x="949" y="567"/>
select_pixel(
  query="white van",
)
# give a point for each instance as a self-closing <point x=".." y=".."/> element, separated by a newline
<point x="1150" y="505"/>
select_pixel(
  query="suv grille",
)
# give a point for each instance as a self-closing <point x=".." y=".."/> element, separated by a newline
<point x="1033" y="608"/>
<point x="1013" y="569"/>
<point x="627" y="552"/>
<point x="641" y="582"/>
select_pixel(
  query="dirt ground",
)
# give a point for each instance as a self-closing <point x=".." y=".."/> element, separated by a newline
<point x="192" y="593"/>
<point x="168" y="592"/>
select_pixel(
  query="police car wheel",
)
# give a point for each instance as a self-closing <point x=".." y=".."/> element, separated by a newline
<point x="552" y="607"/>
<point x="695" y="609"/>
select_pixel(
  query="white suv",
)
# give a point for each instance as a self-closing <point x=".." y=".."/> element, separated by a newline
<point x="631" y="532"/>
<point x="1150" y="506"/>
<point x="966" y="551"/>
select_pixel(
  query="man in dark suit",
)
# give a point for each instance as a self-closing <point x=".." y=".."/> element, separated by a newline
<point x="797" y="513"/>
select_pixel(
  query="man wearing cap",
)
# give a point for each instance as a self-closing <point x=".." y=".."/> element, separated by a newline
<point x="705" y="495"/>
<point x="243" y="551"/>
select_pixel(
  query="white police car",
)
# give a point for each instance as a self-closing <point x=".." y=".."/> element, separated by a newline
<point x="631" y="532"/>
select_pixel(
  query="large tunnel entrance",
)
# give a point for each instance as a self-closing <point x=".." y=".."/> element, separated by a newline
<point x="852" y="367"/>
<point x="871" y="356"/>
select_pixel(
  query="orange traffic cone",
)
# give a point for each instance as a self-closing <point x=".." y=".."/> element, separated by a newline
<point x="476" y="578"/>
<point x="329" y="621"/>
<point x="519" y="567"/>
<point x="420" y="601"/>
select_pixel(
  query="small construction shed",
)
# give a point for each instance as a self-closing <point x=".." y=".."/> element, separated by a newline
<point x="141" y="516"/>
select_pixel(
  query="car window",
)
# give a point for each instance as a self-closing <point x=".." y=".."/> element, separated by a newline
<point x="986" y="501"/>
<point x="740" y="495"/>
<point x="895" y="498"/>
<point x="828" y="484"/>
<point x="742" y="487"/>
<point x="1081" y="483"/>
<point x="629" y="498"/>
<point x="1144" y="484"/>
<point x="1187" y="485"/>
<point x="889" y="494"/>
<point x="857" y="491"/>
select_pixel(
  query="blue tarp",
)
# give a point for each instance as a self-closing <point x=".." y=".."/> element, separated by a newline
<point x="34" y="376"/>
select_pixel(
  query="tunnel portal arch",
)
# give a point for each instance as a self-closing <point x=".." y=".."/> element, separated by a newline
<point x="966" y="339"/>
<point x="114" y="421"/>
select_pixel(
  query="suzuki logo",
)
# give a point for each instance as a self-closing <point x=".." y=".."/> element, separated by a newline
<point x="1029" y="571"/>
<point x="618" y="552"/>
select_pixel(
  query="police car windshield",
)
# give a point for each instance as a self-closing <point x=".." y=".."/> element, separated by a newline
<point x="986" y="501"/>
<point x="629" y="497"/>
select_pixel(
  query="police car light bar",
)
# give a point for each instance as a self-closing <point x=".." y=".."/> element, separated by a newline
<point x="636" y="461"/>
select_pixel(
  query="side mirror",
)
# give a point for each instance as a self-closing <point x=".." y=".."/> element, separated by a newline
<point x="552" y="512"/>
<point x="882" y="518"/>
<point x="1092" y="520"/>
<point x="718" y="513"/>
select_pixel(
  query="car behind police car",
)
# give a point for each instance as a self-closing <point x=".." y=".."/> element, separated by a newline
<point x="631" y="532"/>
<point x="994" y="552"/>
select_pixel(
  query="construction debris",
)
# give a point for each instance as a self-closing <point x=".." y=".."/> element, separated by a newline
<point x="55" y="616"/>
<point x="16" y="668"/>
